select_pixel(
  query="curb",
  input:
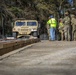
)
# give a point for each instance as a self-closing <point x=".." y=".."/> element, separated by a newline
<point x="15" y="51"/>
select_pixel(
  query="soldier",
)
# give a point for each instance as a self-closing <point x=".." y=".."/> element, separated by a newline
<point x="73" y="23"/>
<point x="61" y="29"/>
<point x="66" y="21"/>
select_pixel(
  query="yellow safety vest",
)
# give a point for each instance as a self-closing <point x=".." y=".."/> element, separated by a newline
<point x="61" y="24"/>
<point x="52" y="22"/>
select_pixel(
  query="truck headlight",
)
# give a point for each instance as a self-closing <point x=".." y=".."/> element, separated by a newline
<point x="33" y="30"/>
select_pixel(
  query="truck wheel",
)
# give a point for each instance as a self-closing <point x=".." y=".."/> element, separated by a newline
<point x="34" y="34"/>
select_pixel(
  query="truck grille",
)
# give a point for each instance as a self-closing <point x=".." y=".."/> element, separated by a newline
<point x="24" y="29"/>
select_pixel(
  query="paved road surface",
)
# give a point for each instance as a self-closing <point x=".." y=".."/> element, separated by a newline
<point x="43" y="58"/>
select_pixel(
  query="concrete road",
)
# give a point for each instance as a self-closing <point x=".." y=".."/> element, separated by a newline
<point x="43" y="58"/>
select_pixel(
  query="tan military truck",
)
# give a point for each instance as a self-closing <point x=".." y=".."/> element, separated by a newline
<point x="22" y="27"/>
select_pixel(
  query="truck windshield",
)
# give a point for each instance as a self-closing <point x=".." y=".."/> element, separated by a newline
<point x="20" y="23"/>
<point x="31" y="24"/>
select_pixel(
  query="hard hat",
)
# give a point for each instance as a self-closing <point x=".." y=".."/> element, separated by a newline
<point x="51" y="16"/>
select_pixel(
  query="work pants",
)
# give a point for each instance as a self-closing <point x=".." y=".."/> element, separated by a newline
<point x="73" y="32"/>
<point x="62" y="34"/>
<point x="52" y="33"/>
<point x="67" y="32"/>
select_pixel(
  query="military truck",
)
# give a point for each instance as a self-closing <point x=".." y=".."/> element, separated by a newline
<point x="22" y="27"/>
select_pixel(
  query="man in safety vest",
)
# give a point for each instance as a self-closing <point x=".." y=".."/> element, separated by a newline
<point x="52" y="23"/>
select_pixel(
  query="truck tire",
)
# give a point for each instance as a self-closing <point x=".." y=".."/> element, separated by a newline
<point x="35" y="34"/>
